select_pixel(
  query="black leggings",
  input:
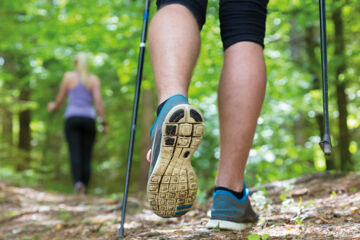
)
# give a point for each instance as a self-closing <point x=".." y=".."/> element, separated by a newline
<point x="80" y="134"/>
<point x="240" y="20"/>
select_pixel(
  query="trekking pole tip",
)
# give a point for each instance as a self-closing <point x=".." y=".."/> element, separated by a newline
<point x="121" y="231"/>
<point x="326" y="147"/>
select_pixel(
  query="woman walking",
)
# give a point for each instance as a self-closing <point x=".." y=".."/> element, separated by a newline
<point x="82" y="89"/>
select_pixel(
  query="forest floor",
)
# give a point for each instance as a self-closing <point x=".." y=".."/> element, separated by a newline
<point x="318" y="206"/>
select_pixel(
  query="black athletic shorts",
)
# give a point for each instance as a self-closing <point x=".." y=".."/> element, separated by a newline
<point x="240" y="20"/>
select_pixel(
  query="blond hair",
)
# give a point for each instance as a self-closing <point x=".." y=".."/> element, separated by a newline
<point x="81" y="65"/>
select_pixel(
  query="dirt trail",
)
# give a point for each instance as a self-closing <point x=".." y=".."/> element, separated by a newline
<point x="319" y="206"/>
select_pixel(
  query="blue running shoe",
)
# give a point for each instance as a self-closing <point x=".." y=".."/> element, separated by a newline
<point x="231" y="213"/>
<point x="175" y="135"/>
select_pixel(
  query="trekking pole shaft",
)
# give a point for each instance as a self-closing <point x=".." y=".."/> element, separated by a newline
<point x="324" y="63"/>
<point x="326" y="142"/>
<point x="134" y="116"/>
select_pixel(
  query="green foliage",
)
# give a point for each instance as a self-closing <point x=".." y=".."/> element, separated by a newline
<point x="39" y="47"/>
<point x="29" y="238"/>
<point x="333" y="194"/>
<point x="353" y="190"/>
<point x="255" y="236"/>
<point x="64" y="216"/>
<point x="286" y="190"/>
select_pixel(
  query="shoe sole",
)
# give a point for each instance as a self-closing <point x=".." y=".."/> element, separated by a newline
<point x="228" y="225"/>
<point x="172" y="186"/>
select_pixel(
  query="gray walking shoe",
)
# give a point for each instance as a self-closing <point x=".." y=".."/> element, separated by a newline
<point x="80" y="188"/>
<point x="175" y="135"/>
<point x="231" y="213"/>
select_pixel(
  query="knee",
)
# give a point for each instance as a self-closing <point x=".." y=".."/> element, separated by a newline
<point x="242" y="20"/>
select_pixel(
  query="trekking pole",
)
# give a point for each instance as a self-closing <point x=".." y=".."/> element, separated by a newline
<point x="135" y="110"/>
<point x="325" y="144"/>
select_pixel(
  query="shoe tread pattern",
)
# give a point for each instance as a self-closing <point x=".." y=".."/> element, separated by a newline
<point x="172" y="186"/>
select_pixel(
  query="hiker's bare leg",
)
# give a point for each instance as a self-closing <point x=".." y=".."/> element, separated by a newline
<point x="241" y="94"/>
<point x="174" y="38"/>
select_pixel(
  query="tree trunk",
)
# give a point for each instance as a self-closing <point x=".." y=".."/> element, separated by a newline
<point x="24" y="129"/>
<point x="7" y="127"/>
<point x="344" y="134"/>
<point x="146" y="123"/>
<point x="313" y="68"/>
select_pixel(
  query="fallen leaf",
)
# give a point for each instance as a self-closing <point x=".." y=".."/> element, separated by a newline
<point x="325" y="220"/>
<point x="355" y="210"/>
